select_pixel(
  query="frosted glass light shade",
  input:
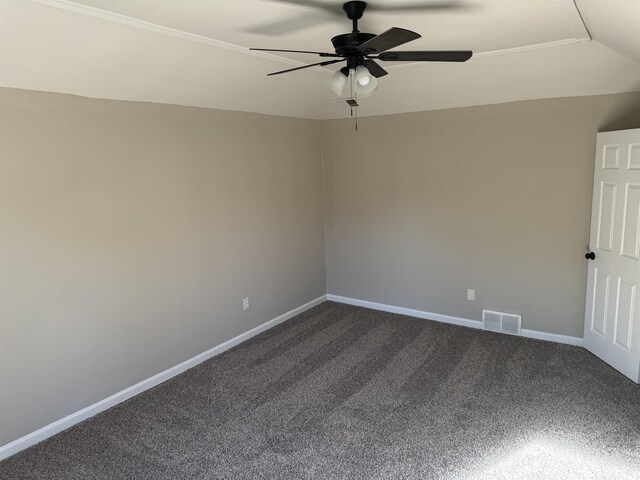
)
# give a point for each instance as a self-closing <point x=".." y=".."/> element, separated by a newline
<point x="368" y="89"/>
<point x="336" y="82"/>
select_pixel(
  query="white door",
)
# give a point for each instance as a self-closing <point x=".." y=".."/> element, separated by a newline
<point x="612" y="310"/>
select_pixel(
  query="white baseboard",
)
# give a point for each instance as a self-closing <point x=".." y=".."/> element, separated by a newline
<point x="407" y="311"/>
<point x="77" y="417"/>
<point x="552" y="337"/>
<point x="465" y="322"/>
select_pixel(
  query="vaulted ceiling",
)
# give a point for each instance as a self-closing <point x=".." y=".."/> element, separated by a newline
<point x="195" y="52"/>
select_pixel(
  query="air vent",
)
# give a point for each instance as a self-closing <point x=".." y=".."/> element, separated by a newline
<point x="501" y="322"/>
<point x="491" y="320"/>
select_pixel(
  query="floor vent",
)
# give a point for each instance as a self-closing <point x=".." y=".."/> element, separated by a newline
<point x="501" y="322"/>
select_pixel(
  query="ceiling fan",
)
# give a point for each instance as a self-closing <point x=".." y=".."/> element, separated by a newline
<point x="361" y="51"/>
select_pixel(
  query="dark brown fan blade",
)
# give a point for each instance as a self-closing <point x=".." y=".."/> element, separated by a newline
<point x="375" y="69"/>
<point x="321" y="64"/>
<point x="418" y="6"/>
<point x="331" y="7"/>
<point x="433" y="56"/>
<point x="377" y="6"/>
<point x="322" y="54"/>
<point x="390" y="39"/>
<point x="289" y="24"/>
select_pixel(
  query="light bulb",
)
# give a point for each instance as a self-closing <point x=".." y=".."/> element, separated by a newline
<point x="364" y="90"/>
<point x="363" y="76"/>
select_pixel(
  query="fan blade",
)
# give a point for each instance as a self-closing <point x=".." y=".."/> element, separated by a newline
<point x="329" y="7"/>
<point x="321" y="64"/>
<point x="289" y="24"/>
<point x="329" y="11"/>
<point x="418" y="6"/>
<point x="433" y="56"/>
<point x="389" y="39"/>
<point x="374" y="68"/>
<point x="322" y="54"/>
<point x="376" y="6"/>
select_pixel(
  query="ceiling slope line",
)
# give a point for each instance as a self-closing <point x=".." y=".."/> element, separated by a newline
<point x="574" y="20"/>
<point x="167" y="31"/>
<point x="527" y="48"/>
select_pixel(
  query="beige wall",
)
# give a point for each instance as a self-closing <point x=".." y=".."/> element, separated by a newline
<point x="131" y="232"/>
<point x="422" y="206"/>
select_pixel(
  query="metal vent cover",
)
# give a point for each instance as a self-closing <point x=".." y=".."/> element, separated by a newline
<point x="502" y="322"/>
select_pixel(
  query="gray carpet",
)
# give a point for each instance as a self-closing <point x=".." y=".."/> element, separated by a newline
<point x="346" y="392"/>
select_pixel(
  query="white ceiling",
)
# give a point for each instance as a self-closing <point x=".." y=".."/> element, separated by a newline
<point x="195" y="52"/>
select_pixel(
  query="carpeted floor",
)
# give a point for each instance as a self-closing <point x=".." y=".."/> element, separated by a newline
<point x="346" y="392"/>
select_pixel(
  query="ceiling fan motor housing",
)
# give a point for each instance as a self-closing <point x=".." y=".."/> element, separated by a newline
<point x="346" y="45"/>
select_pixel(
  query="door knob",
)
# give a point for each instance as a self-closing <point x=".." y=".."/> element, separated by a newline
<point x="590" y="256"/>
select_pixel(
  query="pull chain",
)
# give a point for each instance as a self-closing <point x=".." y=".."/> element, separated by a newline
<point x="353" y="103"/>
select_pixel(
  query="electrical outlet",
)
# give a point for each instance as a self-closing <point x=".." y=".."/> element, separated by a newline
<point x="245" y="303"/>
<point x="471" y="294"/>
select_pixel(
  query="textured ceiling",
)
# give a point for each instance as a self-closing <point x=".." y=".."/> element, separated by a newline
<point x="195" y="52"/>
